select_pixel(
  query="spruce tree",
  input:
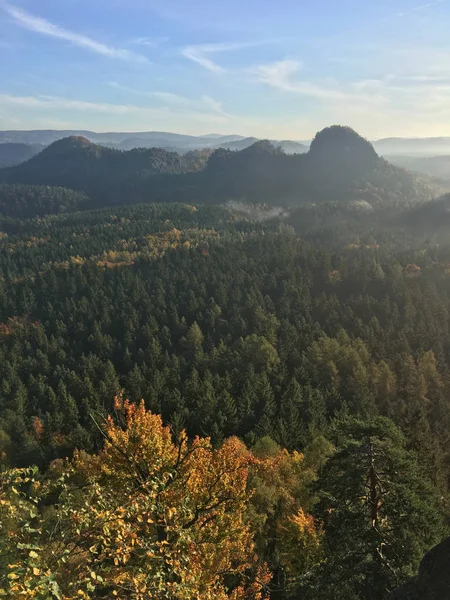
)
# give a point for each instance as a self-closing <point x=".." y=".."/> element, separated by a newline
<point x="379" y="513"/>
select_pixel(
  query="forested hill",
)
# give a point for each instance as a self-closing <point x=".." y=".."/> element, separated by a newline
<point x="432" y="218"/>
<point x="76" y="163"/>
<point x="339" y="166"/>
<point x="18" y="201"/>
<point x="221" y="400"/>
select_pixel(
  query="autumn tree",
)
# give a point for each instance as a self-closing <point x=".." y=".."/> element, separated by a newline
<point x="287" y="536"/>
<point x="145" y="518"/>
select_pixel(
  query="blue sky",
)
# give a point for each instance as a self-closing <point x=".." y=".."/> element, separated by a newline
<point x="280" y="69"/>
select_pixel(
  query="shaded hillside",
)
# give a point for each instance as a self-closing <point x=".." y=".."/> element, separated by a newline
<point x="239" y="144"/>
<point x="340" y="166"/>
<point x="288" y="146"/>
<point x="15" y="153"/>
<point x="338" y="157"/>
<point x="103" y="173"/>
<point x="19" y="201"/>
<point x="196" y="160"/>
<point x="430" y="218"/>
<point x="173" y="142"/>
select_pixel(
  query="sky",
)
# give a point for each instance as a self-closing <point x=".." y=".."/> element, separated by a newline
<point x="280" y="70"/>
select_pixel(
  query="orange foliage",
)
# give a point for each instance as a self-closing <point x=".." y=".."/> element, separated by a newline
<point x="280" y="481"/>
<point x="157" y="519"/>
<point x="412" y="270"/>
<point x="153" y="518"/>
<point x="334" y="276"/>
<point x="38" y="428"/>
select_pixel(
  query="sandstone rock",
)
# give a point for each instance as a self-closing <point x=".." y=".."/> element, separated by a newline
<point x="433" y="581"/>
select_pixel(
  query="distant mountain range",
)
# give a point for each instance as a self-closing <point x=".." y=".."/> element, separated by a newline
<point x="152" y="139"/>
<point x="435" y="166"/>
<point x="18" y="146"/>
<point x="434" y="146"/>
<point x="339" y="166"/>
<point x="14" y="153"/>
<point x="156" y="138"/>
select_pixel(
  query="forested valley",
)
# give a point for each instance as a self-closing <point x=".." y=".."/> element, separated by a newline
<point x="202" y="397"/>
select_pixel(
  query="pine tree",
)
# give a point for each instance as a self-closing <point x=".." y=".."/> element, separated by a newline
<point x="291" y="432"/>
<point x="379" y="513"/>
<point x="194" y="338"/>
<point x="266" y="407"/>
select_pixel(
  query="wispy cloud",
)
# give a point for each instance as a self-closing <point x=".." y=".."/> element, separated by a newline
<point x="201" y="53"/>
<point x="57" y="102"/>
<point x="56" y="112"/>
<point x="126" y="88"/>
<point x="176" y="100"/>
<point x="198" y="55"/>
<point x="402" y="98"/>
<point x="283" y="76"/>
<point x="214" y="105"/>
<point x="150" y="42"/>
<point x="131" y="111"/>
<point x="420" y="7"/>
<point x="168" y="97"/>
<point x="279" y="74"/>
<point x="44" y="27"/>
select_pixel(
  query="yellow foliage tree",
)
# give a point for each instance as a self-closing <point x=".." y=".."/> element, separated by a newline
<point x="287" y="537"/>
<point x="146" y="518"/>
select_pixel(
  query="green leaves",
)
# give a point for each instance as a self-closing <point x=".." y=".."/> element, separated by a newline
<point x="379" y="513"/>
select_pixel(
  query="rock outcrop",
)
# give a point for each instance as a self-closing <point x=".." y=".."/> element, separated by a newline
<point x="433" y="580"/>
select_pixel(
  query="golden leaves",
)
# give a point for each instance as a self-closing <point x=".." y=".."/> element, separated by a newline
<point x="150" y="517"/>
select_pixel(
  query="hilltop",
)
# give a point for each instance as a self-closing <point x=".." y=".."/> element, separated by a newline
<point x="101" y="172"/>
<point x="339" y="166"/>
<point x="430" y="218"/>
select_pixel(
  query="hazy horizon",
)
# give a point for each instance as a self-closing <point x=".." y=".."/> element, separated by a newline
<point x="214" y="134"/>
<point x="253" y="69"/>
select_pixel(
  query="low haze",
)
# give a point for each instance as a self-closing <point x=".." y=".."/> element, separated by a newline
<point x="254" y="68"/>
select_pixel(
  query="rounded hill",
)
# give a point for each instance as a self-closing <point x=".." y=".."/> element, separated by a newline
<point x="343" y="144"/>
